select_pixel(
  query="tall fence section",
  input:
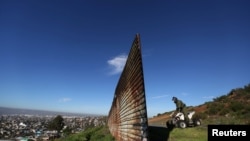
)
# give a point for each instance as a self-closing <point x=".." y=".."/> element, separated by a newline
<point x="127" y="119"/>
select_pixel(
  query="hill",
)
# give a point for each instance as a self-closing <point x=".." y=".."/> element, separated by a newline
<point x="232" y="108"/>
<point x="21" y="111"/>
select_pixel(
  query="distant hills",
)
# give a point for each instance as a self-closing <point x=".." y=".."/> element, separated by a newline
<point x="17" y="111"/>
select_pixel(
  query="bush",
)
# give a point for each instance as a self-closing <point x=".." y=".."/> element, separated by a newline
<point x="224" y="112"/>
<point x="200" y="116"/>
<point x="235" y="106"/>
<point x="215" y="108"/>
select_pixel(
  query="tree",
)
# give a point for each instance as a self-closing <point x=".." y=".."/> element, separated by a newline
<point x="56" y="124"/>
<point x="67" y="131"/>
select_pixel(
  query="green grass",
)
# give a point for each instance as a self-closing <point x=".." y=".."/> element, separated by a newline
<point x="177" y="134"/>
<point x="100" y="133"/>
<point x="226" y="120"/>
<point x="155" y="134"/>
<point x="188" y="134"/>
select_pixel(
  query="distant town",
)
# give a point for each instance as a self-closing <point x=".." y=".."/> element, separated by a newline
<point x="32" y="125"/>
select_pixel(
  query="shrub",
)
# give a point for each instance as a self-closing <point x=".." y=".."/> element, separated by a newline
<point x="235" y="106"/>
<point x="224" y="111"/>
<point x="200" y="116"/>
<point x="215" y="108"/>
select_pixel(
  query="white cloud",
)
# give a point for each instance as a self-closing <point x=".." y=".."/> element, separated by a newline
<point x="208" y="97"/>
<point x="117" y="64"/>
<point x="160" y="96"/>
<point x="65" y="99"/>
<point x="184" y="94"/>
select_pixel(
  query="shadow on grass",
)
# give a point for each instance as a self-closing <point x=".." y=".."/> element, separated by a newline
<point x="159" y="133"/>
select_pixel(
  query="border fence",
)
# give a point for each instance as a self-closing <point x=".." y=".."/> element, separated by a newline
<point x="127" y="119"/>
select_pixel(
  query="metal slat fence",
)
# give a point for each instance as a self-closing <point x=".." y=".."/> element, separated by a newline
<point x="127" y="119"/>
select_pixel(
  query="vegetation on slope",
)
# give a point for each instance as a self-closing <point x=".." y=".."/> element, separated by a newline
<point x="100" y="133"/>
<point x="232" y="108"/>
<point x="235" y="106"/>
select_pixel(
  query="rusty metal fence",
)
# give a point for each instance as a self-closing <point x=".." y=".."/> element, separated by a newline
<point x="127" y="119"/>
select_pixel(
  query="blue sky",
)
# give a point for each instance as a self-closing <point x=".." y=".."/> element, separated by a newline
<point x="67" y="56"/>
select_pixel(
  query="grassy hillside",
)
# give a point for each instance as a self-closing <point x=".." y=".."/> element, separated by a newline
<point x="100" y="133"/>
<point x="177" y="134"/>
<point x="232" y="108"/>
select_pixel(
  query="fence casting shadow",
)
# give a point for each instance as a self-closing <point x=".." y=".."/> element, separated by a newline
<point x="159" y="133"/>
